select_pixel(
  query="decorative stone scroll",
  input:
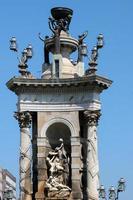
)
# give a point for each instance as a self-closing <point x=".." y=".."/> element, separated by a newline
<point x="24" y="120"/>
<point x="58" y="173"/>
<point x="92" y="118"/>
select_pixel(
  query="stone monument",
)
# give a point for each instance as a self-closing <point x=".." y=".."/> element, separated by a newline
<point x="58" y="115"/>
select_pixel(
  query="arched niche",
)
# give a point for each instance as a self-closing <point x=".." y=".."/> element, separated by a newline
<point x="56" y="131"/>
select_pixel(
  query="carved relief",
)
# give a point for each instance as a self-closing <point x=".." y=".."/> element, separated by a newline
<point x="58" y="173"/>
<point x="80" y="97"/>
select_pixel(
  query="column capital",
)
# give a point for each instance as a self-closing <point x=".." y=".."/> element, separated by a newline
<point x="24" y="119"/>
<point x="92" y="117"/>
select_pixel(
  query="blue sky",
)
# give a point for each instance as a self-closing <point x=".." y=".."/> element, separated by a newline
<point x="25" y="19"/>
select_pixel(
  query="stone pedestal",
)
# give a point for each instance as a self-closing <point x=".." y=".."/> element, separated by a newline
<point x="40" y="196"/>
<point x="61" y="194"/>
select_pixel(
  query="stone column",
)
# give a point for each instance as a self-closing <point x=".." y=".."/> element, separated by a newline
<point x="24" y="120"/>
<point x="92" y="154"/>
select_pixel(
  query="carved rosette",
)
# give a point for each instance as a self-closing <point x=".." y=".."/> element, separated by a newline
<point x="91" y="118"/>
<point x="24" y="120"/>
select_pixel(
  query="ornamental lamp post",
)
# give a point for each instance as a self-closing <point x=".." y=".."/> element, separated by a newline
<point x="13" y="44"/>
<point x="83" y="49"/>
<point x="26" y="54"/>
<point x="29" y="51"/>
<point x="102" y="193"/>
<point x="121" y="185"/>
<point x="100" y="41"/>
<point x="113" y="194"/>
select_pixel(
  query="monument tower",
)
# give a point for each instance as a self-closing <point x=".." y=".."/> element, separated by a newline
<point x="58" y="115"/>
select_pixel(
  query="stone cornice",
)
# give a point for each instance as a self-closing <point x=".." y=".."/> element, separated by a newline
<point x="92" y="82"/>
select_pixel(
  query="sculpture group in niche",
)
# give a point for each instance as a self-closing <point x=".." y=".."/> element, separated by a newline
<point x="58" y="172"/>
